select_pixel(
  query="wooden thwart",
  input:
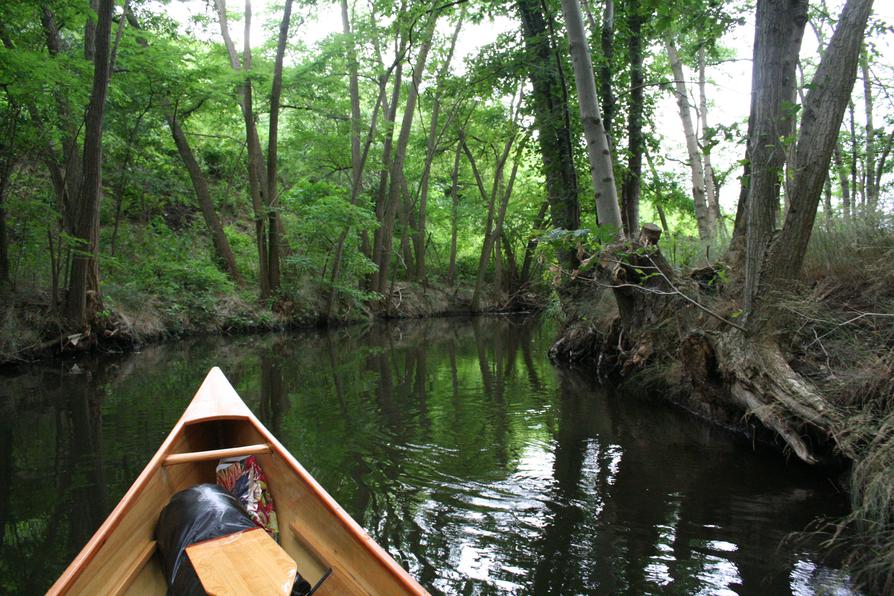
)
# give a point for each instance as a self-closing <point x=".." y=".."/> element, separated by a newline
<point x="249" y="562"/>
<point x="188" y="458"/>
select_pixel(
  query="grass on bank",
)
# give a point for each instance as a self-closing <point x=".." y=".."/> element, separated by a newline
<point x="845" y="344"/>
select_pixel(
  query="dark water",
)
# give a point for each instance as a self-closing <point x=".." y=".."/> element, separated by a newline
<point x="471" y="459"/>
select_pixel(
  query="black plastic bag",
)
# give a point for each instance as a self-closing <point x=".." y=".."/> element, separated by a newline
<point x="198" y="513"/>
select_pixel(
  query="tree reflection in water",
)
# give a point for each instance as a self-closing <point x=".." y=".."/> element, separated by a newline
<point x="458" y="446"/>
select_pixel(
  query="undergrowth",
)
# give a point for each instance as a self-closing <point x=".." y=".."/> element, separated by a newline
<point x="845" y="343"/>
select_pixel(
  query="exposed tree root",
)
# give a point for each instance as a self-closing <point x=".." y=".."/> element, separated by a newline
<point x="732" y="377"/>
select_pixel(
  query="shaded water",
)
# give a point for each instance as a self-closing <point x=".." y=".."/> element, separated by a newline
<point x="456" y="444"/>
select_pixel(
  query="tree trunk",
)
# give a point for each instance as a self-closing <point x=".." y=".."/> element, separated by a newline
<point x="843" y="182"/>
<point x="5" y="279"/>
<point x="488" y="245"/>
<point x="387" y="148"/>
<point x="602" y="174"/>
<point x="823" y="112"/>
<point x="554" y="136"/>
<point x="419" y="237"/>
<point x="869" y="164"/>
<point x="200" y="184"/>
<point x="631" y="185"/>
<point x="356" y="165"/>
<point x="779" y="28"/>
<point x="711" y="190"/>
<point x="400" y="154"/>
<point x="84" y="278"/>
<point x="256" y="178"/>
<point x="454" y="196"/>
<point x="501" y="217"/>
<point x="606" y="97"/>
<point x="703" y="214"/>
<point x="274" y="224"/>
<point x="525" y="275"/>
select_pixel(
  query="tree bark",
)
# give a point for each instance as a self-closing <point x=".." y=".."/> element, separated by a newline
<point x="454" y="200"/>
<point x="869" y="161"/>
<point x="779" y="28"/>
<point x="256" y="177"/>
<point x="419" y="237"/>
<point x="711" y="190"/>
<point x="632" y="182"/>
<point x="400" y="154"/>
<point x="525" y="275"/>
<point x="602" y="174"/>
<point x="5" y="173"/>
<point x="606" y="96"/>
<point x="703" y="213"/>
<point x="550" y="108"/>
<point x="84" y="277"/>
<point x="823" y="112"/>
<point x="843" y="181"/>
<point x="200" y="184"/>
<point x="387" y="149"/>
<point x="501" y="217"/>
<point x="273" y="221"/>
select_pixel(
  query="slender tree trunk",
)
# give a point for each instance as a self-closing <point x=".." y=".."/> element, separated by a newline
<point x="843" y="182"/>
<point x="827" y="201"/>
<point x="5" y="174"/>
<point x="606" y="96"/>
<point x="222" y="249"/>
<point x="779" y="28"/>
<point x="854" y="161"/>
<point x="525" y="275"/>
<point x="356" y="158"/>
<point x="490" y="200"/>
<point x="632" y="183"/>
<point x="419" y="237"/>
<point x="256" y="179"/>
<point x="550" y="109"/>
<point x="601" y="168"/>
<point x="711" y="191"/>
<point x="703" y="213"/>
<point x="400" y="154"/>
<point x="387" y="148"/>
<point x="454" y="196"/>
<point x="869" y="164"/>
<point x="84" y="278"/>
<point x="67" y="186"/>
<point x="274" y="224"/>
<point x="501" y="217"/>
<point x="823" y="112"/>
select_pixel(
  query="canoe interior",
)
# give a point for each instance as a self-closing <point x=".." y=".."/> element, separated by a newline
<point x="311" y="532"/>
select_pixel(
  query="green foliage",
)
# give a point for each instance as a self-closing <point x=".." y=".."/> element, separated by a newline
<point x="173" y="271"/>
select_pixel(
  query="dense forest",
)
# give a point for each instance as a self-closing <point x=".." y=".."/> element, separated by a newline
<point x="165" y="174"/>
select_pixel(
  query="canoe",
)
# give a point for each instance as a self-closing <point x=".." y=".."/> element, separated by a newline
<point x="316" y="532"/>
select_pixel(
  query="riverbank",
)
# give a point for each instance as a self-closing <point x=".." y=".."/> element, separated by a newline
<point x="30" y="328"/>
<point x="820" y="387"/>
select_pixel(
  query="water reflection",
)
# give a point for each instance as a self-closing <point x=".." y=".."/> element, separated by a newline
<point x="455" y="443"/>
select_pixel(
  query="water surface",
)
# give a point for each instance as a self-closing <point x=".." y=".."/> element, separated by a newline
<point x="460" y="448"/>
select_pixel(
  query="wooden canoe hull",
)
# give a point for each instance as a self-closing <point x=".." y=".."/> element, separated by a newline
<point x="315" y="530"/>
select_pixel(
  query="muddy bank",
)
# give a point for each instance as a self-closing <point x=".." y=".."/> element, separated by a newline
<point x="31" y="330"/>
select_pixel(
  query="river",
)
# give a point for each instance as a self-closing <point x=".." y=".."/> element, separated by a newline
<point x="468" y="456"/>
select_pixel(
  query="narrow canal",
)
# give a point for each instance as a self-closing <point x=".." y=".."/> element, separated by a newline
<point x="468" y="456"/>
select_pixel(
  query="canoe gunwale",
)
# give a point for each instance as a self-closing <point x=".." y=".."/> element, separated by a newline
<point x="206" y="407"/>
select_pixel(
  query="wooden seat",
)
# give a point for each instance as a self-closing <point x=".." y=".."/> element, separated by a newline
<point x="249" y="562"/>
